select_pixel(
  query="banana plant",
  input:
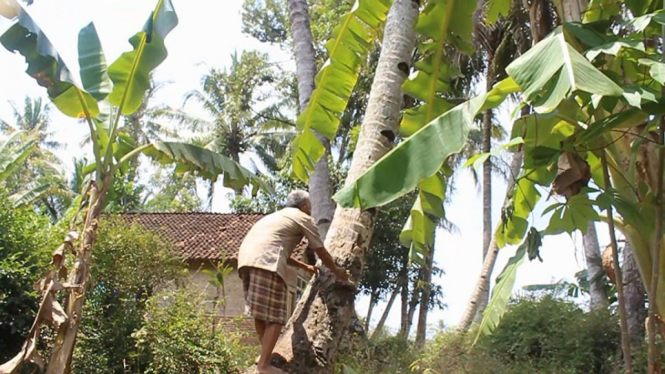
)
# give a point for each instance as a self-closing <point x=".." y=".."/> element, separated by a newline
<point x="442" y="24"/>
<point x="102" y="97"/>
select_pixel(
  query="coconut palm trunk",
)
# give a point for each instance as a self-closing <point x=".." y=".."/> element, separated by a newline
<point x="309" y="341"/>
<point x="320" y="185"/>
<point x="386" y="312"/>
<point x="595" y="272"/>
<point x="421" y="328"/>
<point x="541" y="24"/>
<point x="478" y="300"/>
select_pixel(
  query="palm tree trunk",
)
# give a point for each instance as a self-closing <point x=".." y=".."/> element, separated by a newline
<point x="595" y="272"/>
<point x="65" y="340"/>
<point x="309" y="341"/>
<point x="386" y="312"/>
<point x="404" y="295"/>
<point x="635" y="292"/>
<point x="372" y="303"/>
<point x="421" y="329"/>
<point x="320" y="185"/>
<point x="541" y="24"/>
<point x="477" y="303"/>
<point x="487" y="180"/>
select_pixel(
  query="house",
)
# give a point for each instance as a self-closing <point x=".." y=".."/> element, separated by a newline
<point x="204" y="240"/>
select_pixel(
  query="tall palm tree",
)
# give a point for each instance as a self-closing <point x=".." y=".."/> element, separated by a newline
<point x="233" y="125"/>
<point x="351" y="229"/>
<point x="531" y="25"/>
<point x="40" y="179"/>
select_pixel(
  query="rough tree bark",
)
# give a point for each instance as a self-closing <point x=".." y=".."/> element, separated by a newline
<point x="320" y="185"/>
<point x="309" y="341"/>
<point x="421" y="329"/>
<point x="636" y="312"/>
<point x="487" y="183"/>
<point x="594" y="264"/>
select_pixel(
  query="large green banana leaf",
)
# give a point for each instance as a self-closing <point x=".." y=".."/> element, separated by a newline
<point x="441" y="23"/>
<point x="347" y="49"/>
<point x="94" y="72"/>
<point x="131" y="72"/>
<point x="205" y="163"/>
<point x="551" y="70"/>
<point x="421" y="155"/>
<point x="47" y="67"/>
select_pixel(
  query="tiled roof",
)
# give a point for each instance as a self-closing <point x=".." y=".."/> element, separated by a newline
<point x="202" y="236"/>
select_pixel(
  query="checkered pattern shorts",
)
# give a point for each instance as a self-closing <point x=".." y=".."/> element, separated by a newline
<point x="265" y="295"/>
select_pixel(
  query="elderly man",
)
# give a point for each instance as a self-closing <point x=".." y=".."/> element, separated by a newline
<point x="262" y="262"/>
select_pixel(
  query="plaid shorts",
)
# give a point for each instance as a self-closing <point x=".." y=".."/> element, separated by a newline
<point x="265" y="295"/>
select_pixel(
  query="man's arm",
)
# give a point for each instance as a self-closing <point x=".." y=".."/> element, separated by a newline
<point x="328" y="261"/>
<point x="293" y="262"/>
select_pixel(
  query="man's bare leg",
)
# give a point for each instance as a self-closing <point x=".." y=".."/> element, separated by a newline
<point x="270" y="336"/>
<point x="260" y="330"/>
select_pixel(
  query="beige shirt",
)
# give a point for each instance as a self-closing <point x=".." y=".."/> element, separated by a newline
<point x="270" y="242"/>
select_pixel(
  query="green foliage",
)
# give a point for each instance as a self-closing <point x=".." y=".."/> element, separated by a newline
<point x="537" y="336"/>
<point x="178" y="338"/>
<point x="547" y="332"/>
<point x="390" y="354"/>
<point x="24" y="254"/>
<point x="130" y="265"/>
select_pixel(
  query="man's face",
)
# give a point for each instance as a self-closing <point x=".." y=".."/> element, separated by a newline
<point x="306" y="208"/>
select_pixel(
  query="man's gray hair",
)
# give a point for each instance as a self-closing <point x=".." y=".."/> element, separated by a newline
<point x="297" y="198"/>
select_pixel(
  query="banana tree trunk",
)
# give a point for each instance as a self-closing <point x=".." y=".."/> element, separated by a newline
<point x="477" y="303"/>
<point x="308" y="343"/>
<point x="595" y="272"/>
<point x="635" y="293"/>
<point x="421" y="329"/>
<point x="386" y="312"/>
<point x="63" y="347"/>
<point x="320" y="185"/>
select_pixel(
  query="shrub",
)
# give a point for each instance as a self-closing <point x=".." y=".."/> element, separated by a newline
<point x="24" y="253"/>
<point x="177" y="337"/>
<point x="536" y="336"/>
<point x="130" y="263"/>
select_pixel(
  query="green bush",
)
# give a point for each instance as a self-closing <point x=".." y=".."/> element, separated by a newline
<point x="24" y="253"/>
<point x="130" y="263"/>
<point x="177" y="337"/>
<point x="389" y="354"/>
<point x="536" y="336"/>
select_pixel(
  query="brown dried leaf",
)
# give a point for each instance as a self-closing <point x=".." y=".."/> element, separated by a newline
<point x="52" y="311"/>
<point x="608" y="264"/>
<point x="58" y="256"/>
<point x="574" y="174"/>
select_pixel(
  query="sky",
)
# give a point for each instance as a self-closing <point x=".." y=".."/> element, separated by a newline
<point x="207" y="34"/>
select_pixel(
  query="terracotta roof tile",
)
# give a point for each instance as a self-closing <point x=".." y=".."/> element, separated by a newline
<point x="202" y="236"/>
